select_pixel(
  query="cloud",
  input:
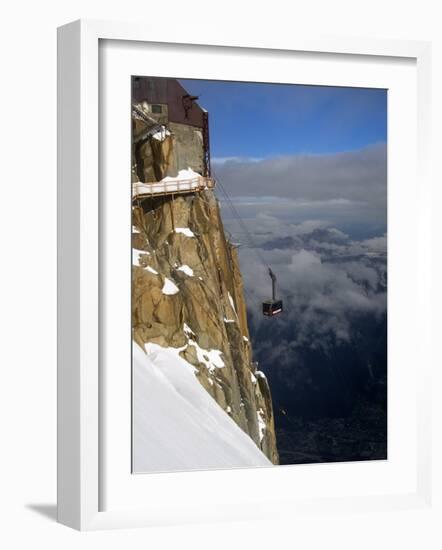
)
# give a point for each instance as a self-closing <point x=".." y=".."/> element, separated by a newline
<point x="320" y="222"/>
<point x="240" y="160"/>
<point x="326" y="279"/>
<point x="309" y="177"/>
<point x="302" y="215"/>
<point x="343" y="188"/>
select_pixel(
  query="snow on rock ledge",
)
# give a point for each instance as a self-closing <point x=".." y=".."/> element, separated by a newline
<point x="185" y="231"/>
<point x="186" y="269"/>
<point x="169" y="287"/>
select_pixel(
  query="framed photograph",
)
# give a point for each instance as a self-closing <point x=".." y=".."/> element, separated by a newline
<point x="243" y="301"/>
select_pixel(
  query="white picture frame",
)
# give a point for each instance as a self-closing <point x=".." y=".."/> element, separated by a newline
<point x="80" y="437"/>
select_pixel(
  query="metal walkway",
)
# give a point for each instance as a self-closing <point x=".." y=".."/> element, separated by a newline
<point x="171" y="186"/>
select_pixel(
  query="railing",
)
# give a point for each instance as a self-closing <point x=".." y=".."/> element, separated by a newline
<point x="172" y="186"/>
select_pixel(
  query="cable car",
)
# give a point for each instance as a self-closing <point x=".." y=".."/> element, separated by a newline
<point x="272" y="307"/>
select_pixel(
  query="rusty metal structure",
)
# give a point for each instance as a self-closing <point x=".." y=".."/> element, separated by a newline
<point x="181" y="106"/>
<point x="206" y="144"/>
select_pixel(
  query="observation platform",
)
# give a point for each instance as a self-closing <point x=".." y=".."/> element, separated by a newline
<point x="172" y="186"/>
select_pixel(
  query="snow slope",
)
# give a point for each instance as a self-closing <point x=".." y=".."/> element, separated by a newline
<point x="177" y="425"/>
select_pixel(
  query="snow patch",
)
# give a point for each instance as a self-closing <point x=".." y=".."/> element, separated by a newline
<point x="186" y="269"/>
<point x="210" y="358"/>
<point x="177" y="425"/>
<point x="183" y="174"/>
<point x="261" y="424"/>
<point x="161" y="134"/>
<point x="232" y="303"/>
<point x="245" y="338"/>
<point x="169" y="287"/>
<point x="253" y="378"/>
<point x="229" y="320"/>
<point x="151" y="270"/>
<point x="185" y="231"/>
<point x="136" y="255"/>
<point x="188" y="330"/>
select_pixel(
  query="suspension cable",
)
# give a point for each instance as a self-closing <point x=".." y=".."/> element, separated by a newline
<point x="252" y="243"/>
<point x="244" y="228"/>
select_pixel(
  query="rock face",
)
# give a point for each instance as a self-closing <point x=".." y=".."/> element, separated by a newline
<point x="188" y="294"/>
<point x="187" y="290"/>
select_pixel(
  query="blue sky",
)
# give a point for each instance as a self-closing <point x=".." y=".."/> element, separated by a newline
<point x="302" y="153"/>
<point x="267" y="120"/>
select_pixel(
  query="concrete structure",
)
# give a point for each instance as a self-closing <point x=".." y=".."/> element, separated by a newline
<point x="170" y="130"/>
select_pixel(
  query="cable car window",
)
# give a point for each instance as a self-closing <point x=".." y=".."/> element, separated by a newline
<point x="157" y="109"/>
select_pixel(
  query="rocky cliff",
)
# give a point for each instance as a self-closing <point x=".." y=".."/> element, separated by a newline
<point x="188" y="294"/>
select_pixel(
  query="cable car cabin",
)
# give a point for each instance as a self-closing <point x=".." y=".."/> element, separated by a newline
<point x="272" y="307"/>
